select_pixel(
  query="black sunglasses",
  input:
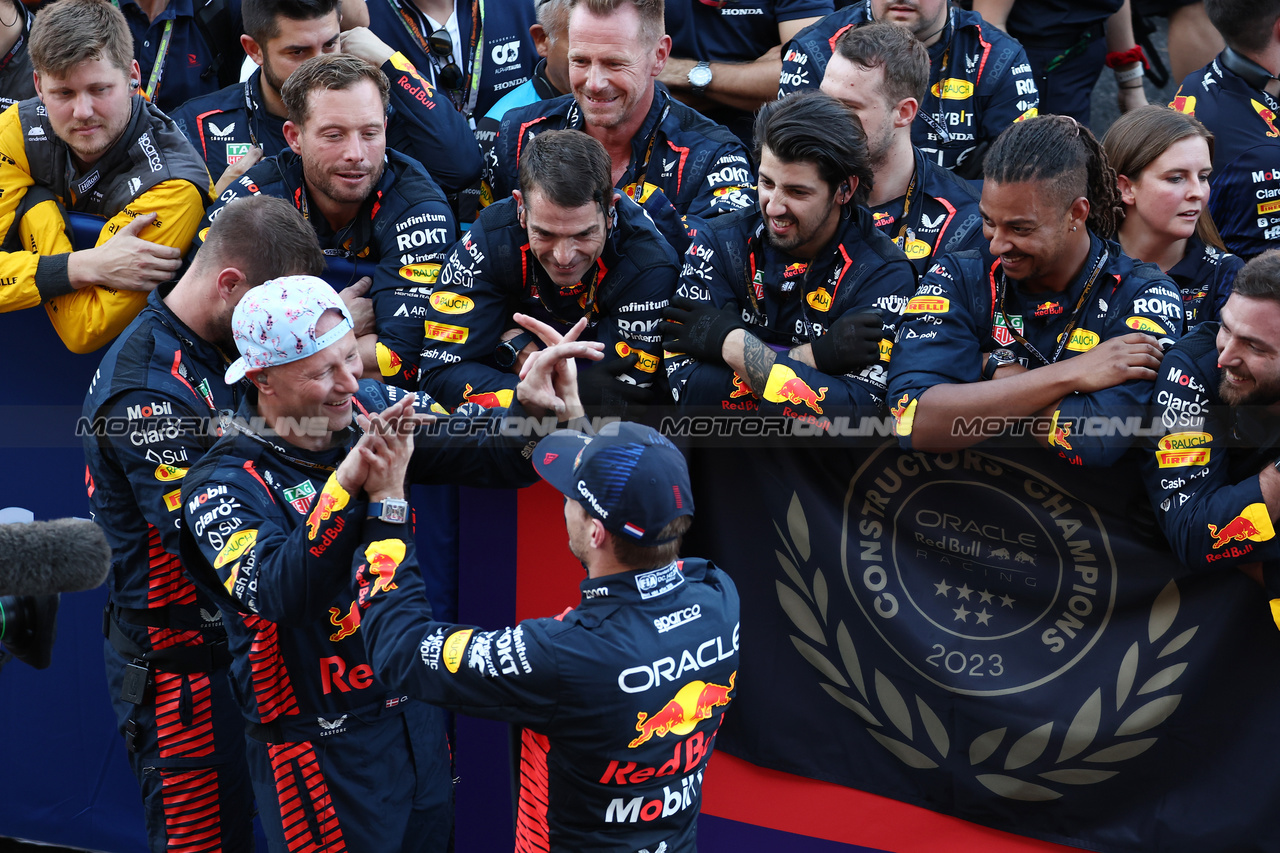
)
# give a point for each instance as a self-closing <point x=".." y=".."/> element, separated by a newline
<point x="441" y="45"/>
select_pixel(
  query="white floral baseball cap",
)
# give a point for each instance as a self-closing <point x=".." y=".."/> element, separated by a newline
<point x="275" y="323"/>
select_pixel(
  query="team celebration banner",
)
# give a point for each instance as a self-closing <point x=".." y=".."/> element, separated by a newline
<point x="998" y="636"/>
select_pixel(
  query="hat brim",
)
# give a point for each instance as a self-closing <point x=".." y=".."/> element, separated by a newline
<point x="554" y="459"/>
<point x="236" y="371"/>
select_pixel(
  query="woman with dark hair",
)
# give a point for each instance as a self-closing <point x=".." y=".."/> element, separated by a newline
<point x="1162" y="160"/>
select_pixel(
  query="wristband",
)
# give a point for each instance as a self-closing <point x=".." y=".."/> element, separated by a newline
<point x="1134" y="73"/>
<point x="1125" y="57"/>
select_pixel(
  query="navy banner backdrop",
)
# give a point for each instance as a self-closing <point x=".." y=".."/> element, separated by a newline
<point x="995" y="636"/>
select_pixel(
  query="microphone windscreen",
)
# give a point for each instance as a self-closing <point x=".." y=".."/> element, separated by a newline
<point x="44" y="557"/>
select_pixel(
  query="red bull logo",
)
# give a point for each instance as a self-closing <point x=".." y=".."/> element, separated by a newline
<point x="740" y="388"/>
<point x="489" y="399"/>
<point x="1253" y="524"/>
<point x="1059" y="436"/>
<point x="333" y="498"/>
<point x="904" y="414"/>
<point x="1268" y="116"/>
<point x="346" y="625"/>
<point x="389" y="363"/>
<point x="691" y="705"/>
<point x="793" y="270"/>
<point x="1184" y="104"/>
<point x="384" y="556"/>
<point x="784" y="386"/>
<point x="1047" y="309"/>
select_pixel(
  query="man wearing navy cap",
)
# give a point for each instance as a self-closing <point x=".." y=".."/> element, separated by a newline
<point x="620" y="697"/>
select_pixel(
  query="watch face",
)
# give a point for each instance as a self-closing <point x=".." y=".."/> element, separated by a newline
<point x="1004" y="356"/>
<point x="700" y="76"/>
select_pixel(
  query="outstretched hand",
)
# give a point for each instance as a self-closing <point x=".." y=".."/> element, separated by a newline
<point x="549" y="378"/>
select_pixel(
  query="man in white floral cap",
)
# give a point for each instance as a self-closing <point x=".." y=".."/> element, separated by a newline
<point x="279" y="512"/>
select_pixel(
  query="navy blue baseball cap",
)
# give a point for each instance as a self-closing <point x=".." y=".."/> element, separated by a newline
<point x="627" y="475"/>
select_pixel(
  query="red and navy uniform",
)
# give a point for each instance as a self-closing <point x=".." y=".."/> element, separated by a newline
<point x="339" y="760"/>
<point x="1245" y="194"/>
<point x="956" y="315"/>
<point x="787" y="302"/>
<point x="1204" y="275"/>
<point x="189" y="66"/>
<point x="938" y="215"/>
<point x="979" y="80"/>
<point x="495" y="57"/>
<point x="153" y="409"/>
<point x="404" y="226"/>
<point x="678" y="156"/>
<point x="420" y="123"/>
<point x="620" y="697"/>
<point x="492" y="274"/>
<point x="1202" y="474"/>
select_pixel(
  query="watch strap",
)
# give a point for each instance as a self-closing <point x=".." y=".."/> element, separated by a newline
<point x="508" y="350"/>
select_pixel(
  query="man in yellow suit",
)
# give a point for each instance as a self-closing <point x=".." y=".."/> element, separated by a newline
<point x="90" y="144"/>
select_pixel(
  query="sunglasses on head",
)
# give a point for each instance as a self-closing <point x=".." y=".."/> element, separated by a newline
<point x="441" y="45"/>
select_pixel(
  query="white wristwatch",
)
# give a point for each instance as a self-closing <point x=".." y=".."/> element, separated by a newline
<point x="392" y="510"/>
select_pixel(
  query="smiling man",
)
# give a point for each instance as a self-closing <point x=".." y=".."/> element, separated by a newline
<point x="279" y="36"/>
<point x="781" y="308"/>
<point x="367" y="203"/>
<point x="91" y="143"/>
<point x="279" y="512"/>
<point x="1213" y="476"/>
<point x="661" y="150"/>
<point x="1061" y="327"/>
<point x="564" y="246"/>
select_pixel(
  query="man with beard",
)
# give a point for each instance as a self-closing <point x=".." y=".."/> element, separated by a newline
<point x="1213" y="476"/>
<point x="91" y="143"/>
<point x="881" y="72"/>
<point x="166" y="650"/>
<point x="1061" y="329"/>
<point x="979" y="80"/>
<point x="781" y="308"/>
<point x="367" y="203"/>
<point x="279" y="36"/>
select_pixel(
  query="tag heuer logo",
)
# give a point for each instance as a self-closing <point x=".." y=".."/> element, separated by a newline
<point x="221" y="131"/>
<point x="236" y="150"/>
<point x="300" y="496"/>
<point x="1001" y="333"/>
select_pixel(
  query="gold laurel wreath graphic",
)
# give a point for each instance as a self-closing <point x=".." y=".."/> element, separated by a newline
<point x="1078" y="758"/>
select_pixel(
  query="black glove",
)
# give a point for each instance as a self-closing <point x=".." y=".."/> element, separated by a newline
<point x="603" y="394"/>
<point x="852" y="343"/>
<point x="698" y="328"/>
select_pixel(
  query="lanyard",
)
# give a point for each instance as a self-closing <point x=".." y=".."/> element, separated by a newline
<point x="251" y="107"/>
<point x="905" y="233"/>
<point x="13" y="51"/>
<point x="416" y="24"/>
<point x="643" y="171"/>
<point x="157" y="70"/>
<point x="1065" y="337"/>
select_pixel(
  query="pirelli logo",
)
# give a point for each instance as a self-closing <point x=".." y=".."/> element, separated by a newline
<point x="446" y="333"/>
<point x="1269" y="206"/>
<point x="1183" y="450"/>
<point x="928" y="305"/>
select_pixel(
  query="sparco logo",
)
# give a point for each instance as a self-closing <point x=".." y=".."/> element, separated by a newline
<point x="148" y="148"/>
<point x="591" y="499"/>
<point x="677" y="618"/>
